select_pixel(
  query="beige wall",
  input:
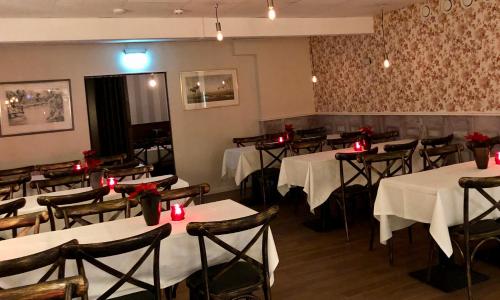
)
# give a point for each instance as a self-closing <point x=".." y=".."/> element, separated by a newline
<point x="199" y="136"/>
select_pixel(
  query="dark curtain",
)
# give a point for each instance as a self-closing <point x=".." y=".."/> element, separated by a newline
<point x="111" y="108"/>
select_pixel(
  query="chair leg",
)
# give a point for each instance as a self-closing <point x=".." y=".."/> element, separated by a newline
<point x="468" y="270"/>
<point x="346" y="226"/>
<point x="372" y="232"/>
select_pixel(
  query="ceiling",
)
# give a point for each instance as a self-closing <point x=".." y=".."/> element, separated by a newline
<point x="194" y="8"/>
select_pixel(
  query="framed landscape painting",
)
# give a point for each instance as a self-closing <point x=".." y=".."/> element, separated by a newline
<point x="206" y="89"/>
<point x="35" y="107"/>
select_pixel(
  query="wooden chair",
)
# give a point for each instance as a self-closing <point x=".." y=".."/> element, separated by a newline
<point x="247" y="141"/>
<point x="55" y="166"/>
<point x="62" y="289"/>
<point x="383" y="165"/>
<point x="135" y="173"/>
<point x="50" y="257"/>
<point x="161" y="185"/>
<point x="410" y="150"/>
<point x="60" y="206"/>
<point x="91" y="253"/>
<point x="242" y="275"/>
<point x="126" y="165"/>
<point x="17" y="171"/>
<point x="268" y="173"/>
<point x="113" y="160"/>
<point x="318" y="131"/>
<point x="189" y="193"/>
<point x="348" y="189"/>
<point x="50" y="185"/>
<point x="351" y="135"/>
<point x="478" y="230"/>
<point x="437" y="141"/>
<point x="385" y="136"/>
<point x="12" y="183"/>
<point x="309" y="145"/>
<point x="10" y="219"/>
<point x="438" y="157"/>
<point x="341" y="143"/>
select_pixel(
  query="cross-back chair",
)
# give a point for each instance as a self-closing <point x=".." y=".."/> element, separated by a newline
<point x="50" y="185"/>
<point x="190" y="194"/>
<point x="91" y="253"/>
<point x="126" y="165"/>
<point x="62" y="289"/>
<point x="437" y="141"/>
<point x="54" y="166"/>
<point x="247" y="141"/>
<point x="410" y="150"/>
<point x="341" y="143"/>
<point x="310" y="144"/>
<point x="479" y="228"/>
<point x="242" y="275"/>
<point x="27" y="222"/>
<point x="12" y="183"/>
<point x="377" y="167"/>
<point x="269" y="174"/>
<point x="318" y="131"/>
<point x="135" y="173"/>
<point x="161" y="185"/>
<point x="385" y="136"/>
<point x="349" y="187"/>
<point x="16" y="171"/>
<point x="440" y="156"/>
<point x="50" y="257"/>
<point x="351" y="134"/>
<point x="64" y="207"/>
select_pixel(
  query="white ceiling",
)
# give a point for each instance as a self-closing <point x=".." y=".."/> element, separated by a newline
<point x="194" y="8"/>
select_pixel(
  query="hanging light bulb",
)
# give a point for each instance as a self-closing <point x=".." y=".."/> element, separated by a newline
<point x="314" y="79"/>
<point x="152" y="81"/>
<point x="271" y="13"/>
<point x="387" y="63"/>
<point x="218" y="27"/>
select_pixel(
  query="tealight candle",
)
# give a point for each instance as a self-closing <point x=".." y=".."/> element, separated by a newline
<point x="177" y="212"/>
<point x="497" y="158"/>
<point x="111" y="181"/>
<point x="280" y="139"/>
<point x="77" y="167"/>
<point x="358" y="146"/>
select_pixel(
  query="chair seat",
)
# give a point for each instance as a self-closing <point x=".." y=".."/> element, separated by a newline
<point x="241" y="276"/>
<point x="94" y="208"/>
<point x="350" y="191"/>
<point x="479" y="230"/>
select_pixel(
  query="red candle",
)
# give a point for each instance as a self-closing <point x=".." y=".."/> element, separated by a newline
<point x="280" y="139"/>
<point x="177" y="212"/>
<point x="77" y="167"/>
<point x="111" y="182"/>
<point x="497" y="158"/>
<point x="358" y="146"/>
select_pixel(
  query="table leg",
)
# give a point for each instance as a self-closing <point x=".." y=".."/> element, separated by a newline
<point x="325" y="222"/>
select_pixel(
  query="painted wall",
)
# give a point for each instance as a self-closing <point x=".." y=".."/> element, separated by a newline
<point x="445" y="63"/>
<point x="199" y="136"/>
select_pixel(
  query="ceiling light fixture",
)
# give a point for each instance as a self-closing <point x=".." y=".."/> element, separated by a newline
<point x="152" y="81"/>
<point x="271" y="13"/>
<point x="387" y="63"/>
<point x="178" y="11"/>
<point x="314" y="79"/>
<point x="218" y="27"/>
<point x="119" y="11"/>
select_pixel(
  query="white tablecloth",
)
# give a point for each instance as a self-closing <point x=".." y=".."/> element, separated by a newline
<point x="179" y="255"/>
<point x="432" y="197"/>
<point x="318" y="173"/>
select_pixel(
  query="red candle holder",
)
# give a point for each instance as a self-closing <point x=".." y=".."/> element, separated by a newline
<point x="358" y="147"/>
<point x="177" y="212"/>
<point x="497" y="158"/>
<point x="77" y="167"/>
<point x="281" y="139"/>
<point x="111" y="181"/>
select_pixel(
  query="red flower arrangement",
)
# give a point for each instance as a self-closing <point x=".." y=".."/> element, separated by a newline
<point x="89" y="153"/>
<point x="366" y="130"/>
<point x="477" y="139"/>
<point x="144" y="189"/>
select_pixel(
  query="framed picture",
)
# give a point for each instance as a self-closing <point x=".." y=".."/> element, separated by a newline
<point x="206" y="89"/>
<point x="35" y="107"/>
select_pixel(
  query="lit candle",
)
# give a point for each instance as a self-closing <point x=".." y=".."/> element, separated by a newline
<point x="497" y="158"/>
<point x="280" y="139"/>
<point x="77" y="167"/>
<point x="358" y="146"/>
<point x="111" y="182"/>
<point x="177" y="212"/>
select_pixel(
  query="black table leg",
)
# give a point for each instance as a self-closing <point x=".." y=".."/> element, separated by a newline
<point x="325" y="221"/>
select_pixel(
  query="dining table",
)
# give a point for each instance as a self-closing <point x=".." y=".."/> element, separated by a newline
<point x="179" y="255"/>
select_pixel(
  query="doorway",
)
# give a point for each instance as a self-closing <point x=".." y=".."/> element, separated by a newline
<point x="130" y="114"/>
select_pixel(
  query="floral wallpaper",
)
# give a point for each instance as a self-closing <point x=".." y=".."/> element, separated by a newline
<point x="447" y="62"/>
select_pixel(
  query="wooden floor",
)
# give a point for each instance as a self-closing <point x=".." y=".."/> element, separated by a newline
<point x="324" y="266"/>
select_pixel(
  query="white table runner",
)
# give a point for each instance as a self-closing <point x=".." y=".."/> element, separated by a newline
<point x="432" y="197"/>
<point x="179" y="255"/>
<point x="318" y="173"/>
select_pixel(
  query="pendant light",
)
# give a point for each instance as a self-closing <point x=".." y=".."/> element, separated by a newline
<point x="387" y="63"/>
<point x="271" y="13"/>
<point x="314" y="79"/>
<point x="218" y="27"/>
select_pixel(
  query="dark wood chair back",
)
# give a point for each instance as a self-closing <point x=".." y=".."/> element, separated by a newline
<point x="274" y="136"/>
<point x="161" y="185"/>
<point x="212" y="230"/>
<point x="247" y="141"/>
<point x="479" y="184"/>
<point x="310" y="144"/>
<point x="51" y="257"/>
<point x="494" y="144"/>
<point x="277" y="151"/>
<point x="50" y="185"/>
<point x="57" y="205"/>
<point x="318" y="131"/>
<point x="437" y="141"/>
<point x="62" y="289"/>
<point x="8" y="209"/>
<point x="25" y="222"/>
<point x="350" y="159"/>
<point x="438" y="157"/>
<point x="126" y="165"/>
<point x="385" y="136"/>
<point x="410" y="150"/>
<point x="55" y="166"/>
<point x="12" y="183"/>
<point x="92" y="252"/>
<point x="17" y="171"/>
<point x="135" y="173"/>
<point x="341" y="143"/>
<point x="189" y="193"/>
<point x="351" y="134"/>
<point x="112" y="160"/>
